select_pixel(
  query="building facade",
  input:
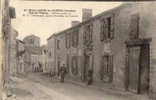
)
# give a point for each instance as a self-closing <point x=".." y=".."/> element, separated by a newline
<point x="117" y="45"/>
<point x="32" y="40"/>
<point x="13" y="52"/>
<point x="51" y="41"/>
<point x="44" y="59"/>
<point x="7" y="14"/>
<point x="32" y="53"/>
<point x="20" y="57"/>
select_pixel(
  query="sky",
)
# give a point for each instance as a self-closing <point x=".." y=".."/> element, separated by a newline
<point x="44" y="27"/>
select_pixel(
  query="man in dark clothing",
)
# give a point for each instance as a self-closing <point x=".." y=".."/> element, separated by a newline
<point x="62" y="73"/>
<point x="89" y="77"/>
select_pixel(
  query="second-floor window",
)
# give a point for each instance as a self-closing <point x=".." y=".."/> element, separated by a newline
<point x="88" y="32"/>
<point x="134" y="26"/>
<point x="58" y="44"/>
<point x="31" y="41"/>
<point x="107" y="28"/>
<point x="68" y="40"/>
<point x="75" y="38"/>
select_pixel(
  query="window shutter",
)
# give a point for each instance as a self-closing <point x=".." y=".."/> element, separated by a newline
<point x="70" y="39"/>
<point x="87" y="33"/>
<point x="73" y="36"/>
<point x="91" y="32"/>
<point x="102" y="30"/>
<point x="105" y="29"/>
<point x="66" y="40"/>
<point x="74" y="65"/>
<point x="102" y="68"/>
<point x="134" y="26"/>
<point x="84" y="36"/>
<point x="77" y="37"/>
<point x="105" y="64"/>
<point x="111" y="67"/>
<point x="112" y="26"/>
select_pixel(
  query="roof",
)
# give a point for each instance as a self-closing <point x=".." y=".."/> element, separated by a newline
<point x="95" y="17"/>
<point x="33" y="50"/>
<point x="51" y="36"/>
<point x="20" y="41"/>
<point x="43" y="47"/>
<point x="31" y="36"/>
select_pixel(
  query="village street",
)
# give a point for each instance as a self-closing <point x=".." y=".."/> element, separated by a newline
<point x="38" y="86"/>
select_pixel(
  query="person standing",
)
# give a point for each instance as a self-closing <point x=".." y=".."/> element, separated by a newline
<point x="90" y="77"/>
<point x="62" y="73"/>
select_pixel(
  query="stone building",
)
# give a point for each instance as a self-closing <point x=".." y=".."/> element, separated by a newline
<point x="32" y="53"/>
<point x="7" y="14"/>
<point x="20" y="57"/>
<point x="117" y="45"/>
<point x="32" y="40"/>
<point x="13" y="52"/>
<point x="52" y="53"/>
<point x="44" y="59"/>
<point x="32" y="58"/>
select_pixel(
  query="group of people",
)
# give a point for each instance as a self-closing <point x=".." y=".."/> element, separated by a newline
<point x="63" y="71"/>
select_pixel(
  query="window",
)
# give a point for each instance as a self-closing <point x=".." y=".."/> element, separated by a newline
<point x="107" y="68"/>
<point x="31" y="41"/>
<point x="58" y="44"/>
<point x="134" y="26"/>
<point x="107" y="28"/>
<point x="75" y="38"/>
<point x="88" y="31"/>
<point x="68" y="40"/>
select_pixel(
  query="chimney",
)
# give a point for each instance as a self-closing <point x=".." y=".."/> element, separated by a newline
<point x="86" y="14"/>
<point x="74" y="23"/>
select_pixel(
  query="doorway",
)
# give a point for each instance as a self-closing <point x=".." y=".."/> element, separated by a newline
<point x="86" y="66"/>
<point x="138" y="67"/>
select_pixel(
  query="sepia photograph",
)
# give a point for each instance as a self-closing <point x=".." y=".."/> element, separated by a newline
<point x="75" y="50"/>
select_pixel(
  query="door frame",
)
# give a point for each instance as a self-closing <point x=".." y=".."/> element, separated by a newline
<point x="135" y="43"/>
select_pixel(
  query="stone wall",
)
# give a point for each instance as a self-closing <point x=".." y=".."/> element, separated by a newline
<point x="116" y="46"/>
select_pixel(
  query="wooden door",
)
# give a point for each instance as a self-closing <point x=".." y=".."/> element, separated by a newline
<point x="133" y="69"/>
<point x="144" y="69"/>
<point x="58" y="67"/>
<point x="86" y="66"/>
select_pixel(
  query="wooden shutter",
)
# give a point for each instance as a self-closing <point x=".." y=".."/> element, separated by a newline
<point x="74" y="65"/>
<point x="87" y="33"/>
<point x="70" y="39"/>
<point x="134" y="26"/>
<point x="73" y="38"/>
<point x="84" y="35"/>
<point x="102" y="68"/>
<point x="106" y="31"/>
<point x="66" y="40"/>
<point x="112" y="26"/>
<point x="102" y="30"/>
<point x="105" y="64"/>
<point x="111" y="67"/>
<point x="91" y="32"/>
<point x="77" y="37"/>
